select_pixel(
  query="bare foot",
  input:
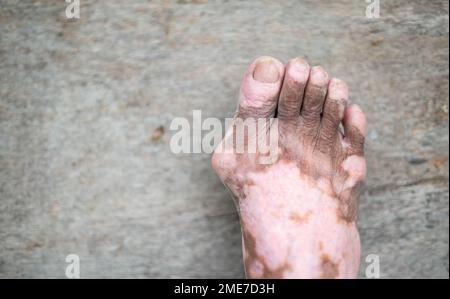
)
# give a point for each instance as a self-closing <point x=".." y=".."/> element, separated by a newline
<point x="298" y="214"/>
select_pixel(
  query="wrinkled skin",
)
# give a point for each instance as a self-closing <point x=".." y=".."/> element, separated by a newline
<point x="298" y="213"/>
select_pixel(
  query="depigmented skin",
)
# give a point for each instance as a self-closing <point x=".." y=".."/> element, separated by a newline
<point x="298" y="214"/>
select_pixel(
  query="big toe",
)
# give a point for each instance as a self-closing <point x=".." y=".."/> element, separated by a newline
<point x="260" y="88"/>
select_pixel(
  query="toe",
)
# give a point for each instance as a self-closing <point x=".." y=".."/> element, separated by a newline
<point x="291" y="97"/>
<point x="260" y="88"/>
<point x="315" y="92"/>
<point x="355" y="127"/>
<point x="333" y="111"/>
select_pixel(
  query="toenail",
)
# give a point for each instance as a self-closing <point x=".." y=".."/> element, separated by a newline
<point x="266" y="71"/>
<point x="355" y="109"/>
<point x="337" y="90"/>
<point x="299" y="70"/>
<point x="318" y="76"/>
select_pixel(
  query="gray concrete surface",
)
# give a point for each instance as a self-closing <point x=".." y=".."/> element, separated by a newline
<point x="82" y="172"/>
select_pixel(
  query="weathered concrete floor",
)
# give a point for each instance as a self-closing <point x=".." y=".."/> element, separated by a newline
<point x="79" y="100"/>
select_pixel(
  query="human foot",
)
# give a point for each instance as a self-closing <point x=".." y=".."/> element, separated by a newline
<point x="298" y="214"/>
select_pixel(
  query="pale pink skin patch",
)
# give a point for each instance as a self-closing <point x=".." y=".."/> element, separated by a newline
<point x="254" y="93"/>
<point x="294" y="222"/>
<point x="248" y="97"/>
<point x="355" y="166"/>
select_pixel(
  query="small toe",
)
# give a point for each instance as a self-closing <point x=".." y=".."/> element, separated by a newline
<point x="355" y="128"/>
<point x="260" y="88"/>
<point x="291" y="97"/>
<point x="315" y="92"/>
<point x="333" y="111"/>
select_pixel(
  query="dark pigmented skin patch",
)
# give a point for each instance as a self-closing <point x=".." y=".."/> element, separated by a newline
<point x="329" y="269"/>
<point x="348" y="204"/>
<point x="253" y="257"/>
<point x="356" y="140"/>
<point x="300" y="218"/>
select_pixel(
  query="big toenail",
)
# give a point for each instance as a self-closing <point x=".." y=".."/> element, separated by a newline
<point x="266" y="71"/>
